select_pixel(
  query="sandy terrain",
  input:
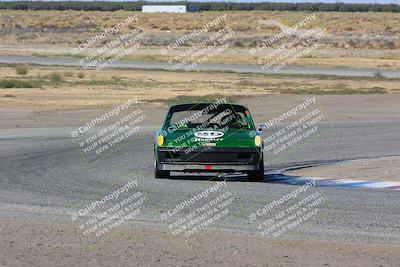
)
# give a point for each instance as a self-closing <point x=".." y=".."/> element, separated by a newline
<point x="34" y="242"/>
<point x="385" y="169"/>
<point x="349" y="39"/>
<point x="64" y="88"/>
<point x="337" y="108"/>
<point x="59" y="103"/>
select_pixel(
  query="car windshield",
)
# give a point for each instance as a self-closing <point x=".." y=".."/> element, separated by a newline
<point x="225" y="115"/>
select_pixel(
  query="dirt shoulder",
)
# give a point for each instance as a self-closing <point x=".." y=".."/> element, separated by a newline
<point x="48" y="118"/>
<point x="384" y="169"/>
<point x="39" y="242"/>
<point x="337" y="108"/>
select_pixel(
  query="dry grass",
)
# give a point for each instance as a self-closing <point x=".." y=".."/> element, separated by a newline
<point x="366" y="40"/>
<point x="110" y="87"/>
<point x="371" y="59"/>
<point x="241" y="21"/>
<point x="344" y="30"/>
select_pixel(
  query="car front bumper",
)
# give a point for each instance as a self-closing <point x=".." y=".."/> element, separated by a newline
<point x="210" y="159"/>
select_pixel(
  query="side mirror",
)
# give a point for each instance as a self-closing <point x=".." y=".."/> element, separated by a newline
<point x="261" y="128"/>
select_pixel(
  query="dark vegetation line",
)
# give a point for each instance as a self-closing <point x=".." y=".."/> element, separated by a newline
<point x="200" y="6"/>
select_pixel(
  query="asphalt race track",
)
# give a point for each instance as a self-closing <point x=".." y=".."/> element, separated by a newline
<point x="42" y="174"/>
<point x="239" y="68"/>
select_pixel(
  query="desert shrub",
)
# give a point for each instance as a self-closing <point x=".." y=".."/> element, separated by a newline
<point x="68" y="74"/>
<point x="56" y="77"/>
<point x="18" y="84"/>
<point x="378" y="74"/>
<point x="21" y="69"/>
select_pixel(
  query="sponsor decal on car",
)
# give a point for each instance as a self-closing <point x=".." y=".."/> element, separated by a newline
<point x="208" y="136"/>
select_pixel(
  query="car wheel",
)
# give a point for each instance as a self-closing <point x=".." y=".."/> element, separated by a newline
<point x="257" y="176"/>
<point x="160" y="173"/>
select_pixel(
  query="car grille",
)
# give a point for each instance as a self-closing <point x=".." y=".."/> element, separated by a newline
<point x="205" y="156"/>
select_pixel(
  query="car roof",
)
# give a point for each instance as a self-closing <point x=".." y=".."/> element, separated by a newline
<point x="188" y="105"/>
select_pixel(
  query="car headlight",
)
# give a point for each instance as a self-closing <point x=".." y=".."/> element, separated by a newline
<point x="160" y="140"/>
<point x="257" y="140"/>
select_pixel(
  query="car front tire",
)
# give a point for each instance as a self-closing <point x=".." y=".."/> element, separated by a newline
<point x="160" y="174"/>
<point x="258" y="175"/>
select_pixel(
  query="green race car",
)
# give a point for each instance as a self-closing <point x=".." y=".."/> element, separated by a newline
<point x="208" y="137"/>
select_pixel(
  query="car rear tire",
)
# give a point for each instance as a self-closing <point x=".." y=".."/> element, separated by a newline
<point x="258" y="175"/>
<point x="160" y="174"/>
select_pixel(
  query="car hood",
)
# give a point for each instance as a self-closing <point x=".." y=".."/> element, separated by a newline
<point x="232" y="138"/>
